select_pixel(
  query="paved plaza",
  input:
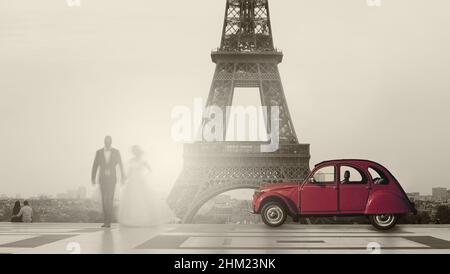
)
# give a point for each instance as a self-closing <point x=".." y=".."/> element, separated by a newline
<point x="221" y="239"/>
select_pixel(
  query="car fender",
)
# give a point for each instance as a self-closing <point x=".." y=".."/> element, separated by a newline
<point x="386" y="202"/>
<point x="277" y="197"/>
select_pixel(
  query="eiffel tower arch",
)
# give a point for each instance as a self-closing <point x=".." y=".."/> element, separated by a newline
<point x="246" y="58"/>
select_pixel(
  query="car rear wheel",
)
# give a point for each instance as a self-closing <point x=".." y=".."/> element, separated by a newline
<point x="274" y="214"/>
<point x="383" y="221"/>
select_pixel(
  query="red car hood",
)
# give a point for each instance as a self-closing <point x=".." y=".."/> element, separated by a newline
<point x="279" y="186"/>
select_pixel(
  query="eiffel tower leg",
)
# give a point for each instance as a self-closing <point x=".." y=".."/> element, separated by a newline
<point x="215" y="168"/>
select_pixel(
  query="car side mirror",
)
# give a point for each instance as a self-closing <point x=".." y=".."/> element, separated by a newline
<point x="312" y="180"/>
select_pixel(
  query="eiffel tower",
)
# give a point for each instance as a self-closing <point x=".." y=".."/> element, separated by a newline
<point x="246" y="58"/>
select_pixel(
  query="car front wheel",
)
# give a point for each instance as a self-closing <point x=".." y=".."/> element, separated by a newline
<point x="274" y="214"/>
<point x="383" y="221"/>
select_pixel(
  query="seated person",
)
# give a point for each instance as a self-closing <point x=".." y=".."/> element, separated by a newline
<point x="26" y="212"/>
<point x="15" y="211"/>
<point x="346" y="177"/>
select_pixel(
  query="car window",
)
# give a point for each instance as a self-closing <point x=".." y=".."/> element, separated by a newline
<point x="352" y="176"/>
<point x="378" y="177"/>
<point x="325" y="175"/>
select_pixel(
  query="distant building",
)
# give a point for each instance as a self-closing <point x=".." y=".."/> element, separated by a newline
<point x="439" y="194"/>
<point x="425" y="198"/>
<point x="82" y="193"/>
<point x="73" y="194"/>
<point x="3" y="197"/>
<point x="413" y="196"/>
<point x="223" y="199"/>
<point x="61" y="196"/>
<point x="44" y="197"/>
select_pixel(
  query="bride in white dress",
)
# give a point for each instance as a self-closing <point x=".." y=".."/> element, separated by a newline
<point x="139" y="203"/>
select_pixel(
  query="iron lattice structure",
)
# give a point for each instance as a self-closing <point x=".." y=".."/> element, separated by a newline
<point x="246" y="58"/>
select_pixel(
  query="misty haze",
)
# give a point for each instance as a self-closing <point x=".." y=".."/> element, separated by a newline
<point x="224" y="127"/>
<point x="360" y="82"/>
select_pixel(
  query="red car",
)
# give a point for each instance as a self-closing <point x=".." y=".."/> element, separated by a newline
<point x="337" y="188"/>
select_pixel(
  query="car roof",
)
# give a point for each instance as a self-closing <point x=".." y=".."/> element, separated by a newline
<point x="338" y="161"/>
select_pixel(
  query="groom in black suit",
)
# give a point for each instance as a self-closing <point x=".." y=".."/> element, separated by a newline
<point x="106" y="161"/>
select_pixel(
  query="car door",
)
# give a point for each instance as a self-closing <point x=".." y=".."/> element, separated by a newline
<point x="354" y="188"/>
<point x="319" y="194"/>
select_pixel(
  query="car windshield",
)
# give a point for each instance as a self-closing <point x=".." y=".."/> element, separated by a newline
<point x="324" y="175"/>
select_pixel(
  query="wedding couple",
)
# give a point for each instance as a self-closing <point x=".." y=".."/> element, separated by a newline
<point x="139" y="204"/>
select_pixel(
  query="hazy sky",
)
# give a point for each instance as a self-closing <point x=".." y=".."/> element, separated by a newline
<point x="365" y="82"/>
